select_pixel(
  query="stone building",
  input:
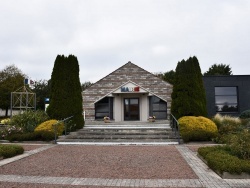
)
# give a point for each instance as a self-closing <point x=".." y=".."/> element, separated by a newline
<point x="128" y="93"/>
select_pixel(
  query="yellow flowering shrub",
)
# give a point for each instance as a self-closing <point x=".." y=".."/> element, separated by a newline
<point x="197" y="128"/>
<point x="5" y="121"/>
<point x="49" y="126"/>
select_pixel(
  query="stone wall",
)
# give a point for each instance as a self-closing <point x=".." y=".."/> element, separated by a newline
<point x="128" y="72"/>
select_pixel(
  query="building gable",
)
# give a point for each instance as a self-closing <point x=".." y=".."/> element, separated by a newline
<point x="127" y="73"/>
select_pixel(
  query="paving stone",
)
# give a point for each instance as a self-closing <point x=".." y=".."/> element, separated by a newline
<point x="207" y="178"/>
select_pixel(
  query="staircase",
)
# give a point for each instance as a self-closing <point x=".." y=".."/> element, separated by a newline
<point x="122" y="133"/>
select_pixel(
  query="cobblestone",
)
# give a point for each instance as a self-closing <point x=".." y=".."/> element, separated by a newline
<point x="206" y="177"/>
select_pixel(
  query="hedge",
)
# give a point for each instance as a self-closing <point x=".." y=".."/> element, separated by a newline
<point x="7" y="151"/>
<point x="220" y="160"/>
<point x="35" y="136"/>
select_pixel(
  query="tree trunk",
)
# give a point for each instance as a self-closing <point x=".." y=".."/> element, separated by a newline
<point x="6" y="112"/>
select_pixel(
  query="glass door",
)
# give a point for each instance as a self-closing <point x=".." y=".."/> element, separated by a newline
<point x="131" y="109"/>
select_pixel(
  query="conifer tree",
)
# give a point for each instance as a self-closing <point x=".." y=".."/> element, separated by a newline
<point x="188" y="96"/>
<point x="219" y="69"/>
<point x="65" y="95"/>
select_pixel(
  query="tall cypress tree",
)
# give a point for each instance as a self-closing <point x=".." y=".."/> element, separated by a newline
<point x="188" y="96"/>
<point x="65" y="95"/>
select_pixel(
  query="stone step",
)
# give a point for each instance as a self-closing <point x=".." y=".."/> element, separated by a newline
<point x="113" y="133"/>
<point x="89" y="123"/>
<point x="135" y="143"/>
<point x="125" y="136"/>
<point x="118" y="140"/>
<point x="127" y="127"/>
<point x="121" y="131"/>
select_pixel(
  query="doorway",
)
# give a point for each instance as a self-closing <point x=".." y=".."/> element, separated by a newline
<point x="131" y="109"/>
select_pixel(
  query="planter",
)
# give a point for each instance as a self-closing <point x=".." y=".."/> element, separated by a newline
<point x="151" y="120"/>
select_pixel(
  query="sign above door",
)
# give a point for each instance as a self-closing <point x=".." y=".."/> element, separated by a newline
<point x="130" y="87"/>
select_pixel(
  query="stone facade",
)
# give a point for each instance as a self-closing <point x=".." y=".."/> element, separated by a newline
<point x="128" y="72"/>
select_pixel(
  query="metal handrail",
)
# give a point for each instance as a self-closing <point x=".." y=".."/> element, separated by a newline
<point x="58" y="122"/>
<point x="175" y="126"/>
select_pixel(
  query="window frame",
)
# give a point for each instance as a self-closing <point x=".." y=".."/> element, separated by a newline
<point x="228" y="103"/>
<point x="106" y="102"/>
<point x="152" y="111"/>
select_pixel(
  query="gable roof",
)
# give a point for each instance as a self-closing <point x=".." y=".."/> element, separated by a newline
<point x="133" y="73"/>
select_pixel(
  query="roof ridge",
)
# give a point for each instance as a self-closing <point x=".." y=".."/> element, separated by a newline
<point x="127" y="64"/>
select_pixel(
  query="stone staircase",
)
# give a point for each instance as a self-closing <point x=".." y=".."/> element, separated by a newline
<point x="122" y="133"/>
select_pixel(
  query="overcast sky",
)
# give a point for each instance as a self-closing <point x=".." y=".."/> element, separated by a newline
<point x="106" y="34"/>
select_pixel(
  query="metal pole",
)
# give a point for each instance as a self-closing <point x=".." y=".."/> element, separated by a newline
<point x="55" y="125"/>
<point x="65" y="127"/>
<point x="27" y="98"/>
<point x="10" y="105"/>
<point x="35" y="101"/>
<point x="21" y="101"/>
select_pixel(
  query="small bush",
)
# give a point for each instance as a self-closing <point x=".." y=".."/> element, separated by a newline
<point x="227" y="124"/>
<point x="9" y="130"/>
<point x="7" y="151"/>
<point x="240" y="144"/>
<point x="5" y="121"/>
<point x="246" y="123"/>
<point x="35" y="136"/>
<point x="49" y="126"/>
<point x="245" y="114"/>
<point x="197" y="128"/>
<point x="28" y="120"/>
<point x="220" y="160"/>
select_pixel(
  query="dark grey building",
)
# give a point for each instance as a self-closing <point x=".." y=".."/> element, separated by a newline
<point x="227" y="94"/>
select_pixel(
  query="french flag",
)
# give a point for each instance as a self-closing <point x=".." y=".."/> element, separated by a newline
<point x="28" y="82"/>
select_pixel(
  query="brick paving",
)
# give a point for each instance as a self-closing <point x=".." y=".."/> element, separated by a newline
<point x="205" y="176"/>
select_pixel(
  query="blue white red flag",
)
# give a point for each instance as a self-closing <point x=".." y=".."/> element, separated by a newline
<point x="28" y="82"/>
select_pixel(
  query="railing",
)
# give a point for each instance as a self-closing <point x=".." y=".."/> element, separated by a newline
<point x="65" y="126"/>
<point x="175" y="127"/>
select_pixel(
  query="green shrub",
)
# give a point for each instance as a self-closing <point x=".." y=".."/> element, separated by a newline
<point x="203" y="151"/>
<point x="35" y="136"/>
<point x="9" y="130"/>
<point x="246" y="123"/>
<point x="197" y="128"/>
<point x="220" y="160"/>
<point x="227" y="124"/>
<point x="21" y="137"/>
<point x="47" y="135"/>
<point x="240" y="144"/>
<point x="7" y="151"/>
<point x="245" y="114"/>
<point x="49" y="126"/>
<point x="223" y="138"/>
<point x="28" y="120"/>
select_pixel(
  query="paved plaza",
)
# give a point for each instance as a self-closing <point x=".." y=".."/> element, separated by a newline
<point x="200" y="174"/>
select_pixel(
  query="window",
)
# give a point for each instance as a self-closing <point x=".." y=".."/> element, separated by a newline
<point x="104" y="108"/>
<point x="157" y="107"/>
<point x="226" y="99"/>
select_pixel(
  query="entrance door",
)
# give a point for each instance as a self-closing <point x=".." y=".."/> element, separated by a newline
<point x="131" y="109"/>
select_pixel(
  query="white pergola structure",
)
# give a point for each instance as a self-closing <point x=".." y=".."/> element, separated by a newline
<point x="23" y="99"/>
